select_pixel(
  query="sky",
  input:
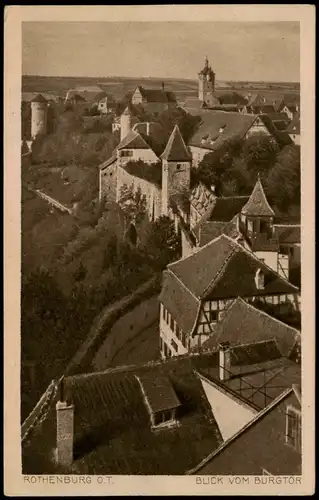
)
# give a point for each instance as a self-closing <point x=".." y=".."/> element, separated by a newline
<point x="236" y="50"/>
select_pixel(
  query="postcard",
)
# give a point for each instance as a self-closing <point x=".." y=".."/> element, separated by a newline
<point x="159" y="250"/>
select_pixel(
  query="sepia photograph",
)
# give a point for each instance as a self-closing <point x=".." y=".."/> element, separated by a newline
<point x="161" y="317"/>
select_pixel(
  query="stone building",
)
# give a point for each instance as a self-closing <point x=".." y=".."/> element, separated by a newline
<point x="165" y="171"/>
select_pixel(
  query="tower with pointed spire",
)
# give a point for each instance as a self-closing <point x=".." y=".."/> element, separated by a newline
<point x="257" y="215"/>
<point x="206" y="84"/>
<point x="176" y="165"/>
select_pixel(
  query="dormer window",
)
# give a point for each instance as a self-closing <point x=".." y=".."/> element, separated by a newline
<point x="293" y="427"/>
<point x="160" y="399"/>
<point x="260" y="279"/>
<point x="222" y="128"/>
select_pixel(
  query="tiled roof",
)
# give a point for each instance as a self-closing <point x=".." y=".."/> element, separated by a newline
<point x="224" y="269"/>
<point x="193" y="103"/>
<point x="112" y="431"/>
<point x="240" y="456"/>
<point x="226" y="208"/>
<point x="294" y="125"/>
<point x="133" y="140"/>
<point x="202" y="198"/>
<point x="158" y="391"/>
<point x="176" y="149"/>
<point x="288" y="233"/>
<point x="257" y="205"/>
<point x="108" y="162"/>
<point x="39" y="98"/>
<point x="243" y="323"/>
<point x="217" y="127"/>
<point x="156" y="95"/>
<point x="179" y="301"/>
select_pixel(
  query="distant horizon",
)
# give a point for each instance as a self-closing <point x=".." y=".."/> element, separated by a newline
<point x="237" y="51"/>
<point x="157" y="78"/>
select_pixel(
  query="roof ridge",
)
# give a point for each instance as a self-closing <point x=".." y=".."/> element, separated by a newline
<point x="251" y="253"/>
<point x="264" y="313"/>
<point x="258" y="417"/>
<point x="221" y="271"/>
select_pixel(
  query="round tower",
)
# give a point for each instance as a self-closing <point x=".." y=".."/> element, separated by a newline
<point x="39" y="116"/>
<point x="126" y="122"/>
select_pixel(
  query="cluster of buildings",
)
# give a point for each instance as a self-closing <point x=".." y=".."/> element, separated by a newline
<point x="224" y="397"/>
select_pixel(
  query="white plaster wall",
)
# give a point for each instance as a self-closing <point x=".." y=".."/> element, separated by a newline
<point x="231" y="414"/>
<point x="270" y="259"/>
<point x="295" y="138"/>
<point x="168" y="335"/>
<point x="198" y="154"/>
<point x="258" y="127"/>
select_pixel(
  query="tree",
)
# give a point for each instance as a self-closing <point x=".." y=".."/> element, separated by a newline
<point x="133" y="204"/>
<point x="283" y="181"/>
<point x="232" y="98"/>
<point x="161" y="243"/>
<point x="216" y="167"/>
<point x="260" y="152"/>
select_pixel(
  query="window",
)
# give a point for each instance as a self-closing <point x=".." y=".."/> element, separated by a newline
<point x="174" y="345"/>
<point x="163" y="311"/>
<point x="213" y="316"/>
<point x="293" y="427"/>
<point x="183" y="338"/>
<point x="165" y="349"/>
<point x="178" y="332"/>
<point x="178" y="166"/>
<point x="168" y="318"/>
<point x="126" y="153"/>
<point x="172" y="323"/>
<point x="161" y="343"/>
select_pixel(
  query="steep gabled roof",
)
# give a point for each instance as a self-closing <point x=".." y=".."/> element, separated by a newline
<point x="39" y="98"/>
<point x="156" y="95"/>
<point x="257" y="205"/>
<point x="176" y="149"/>
<point x="223" y="269"/>
<point x="243" y="323"/>
<point x="133" y="140"/>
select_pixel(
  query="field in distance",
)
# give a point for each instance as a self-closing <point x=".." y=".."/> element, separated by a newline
<point x="119" y="86"/>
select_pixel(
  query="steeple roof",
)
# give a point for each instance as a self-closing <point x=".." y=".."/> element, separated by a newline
<point x="176" y="149"/>
<point x="257" y="205"/>
<point x="39" y="98"/>
<point x="127" y="111"/>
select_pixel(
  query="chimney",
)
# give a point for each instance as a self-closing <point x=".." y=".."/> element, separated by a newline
<point x="224" y="361"/>
<point x="65" y="429"/>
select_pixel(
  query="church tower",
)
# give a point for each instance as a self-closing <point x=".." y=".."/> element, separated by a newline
<point x="206" y="84"/>
<point x="176" y="167"/>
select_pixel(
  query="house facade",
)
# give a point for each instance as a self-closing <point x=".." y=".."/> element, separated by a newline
<point x="248" y="220"/>
<point x="198" y="289"/>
